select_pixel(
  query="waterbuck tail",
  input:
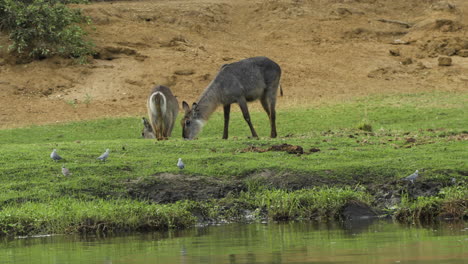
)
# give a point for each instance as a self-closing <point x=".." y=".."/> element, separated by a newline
<point x="281" y="90"/>
<point x="157" y="104"/>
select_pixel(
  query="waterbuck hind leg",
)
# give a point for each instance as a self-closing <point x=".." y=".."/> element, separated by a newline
<point x="273" y="121"/>
<point x="227" y="110"/>
<point x="270" y="110"/>
<point x="245" y="112"/>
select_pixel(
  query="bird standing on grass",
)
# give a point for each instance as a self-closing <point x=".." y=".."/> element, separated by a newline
<point x="413" y="177"/>
<point x="104" y="156"/>
<point x="66" y="172"/>
<point x="180" y="164"/>
<point x="55" y="156"/>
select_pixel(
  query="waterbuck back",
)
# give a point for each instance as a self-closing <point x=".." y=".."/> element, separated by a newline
<point x="256" y="78"/>
<point x="163" y="108"/>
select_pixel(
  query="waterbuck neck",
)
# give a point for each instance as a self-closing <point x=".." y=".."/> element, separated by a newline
<point x="208" y="102"/>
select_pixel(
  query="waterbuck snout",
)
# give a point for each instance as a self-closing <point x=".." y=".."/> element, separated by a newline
<point x="247" y="80"/>
<point x="163" y="108"/>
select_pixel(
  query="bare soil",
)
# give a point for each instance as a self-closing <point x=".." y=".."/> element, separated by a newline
<point x="329" y="51"/>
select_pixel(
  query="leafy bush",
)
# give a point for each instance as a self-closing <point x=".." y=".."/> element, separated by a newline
<point x="43" y="28"/>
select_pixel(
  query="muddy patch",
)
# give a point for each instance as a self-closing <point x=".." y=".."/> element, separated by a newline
<point x="291" y="149"/>
<point x="169" y="188"/>
<point x="387" y="195"/>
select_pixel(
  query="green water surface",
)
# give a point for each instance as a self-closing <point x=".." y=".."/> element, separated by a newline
<point x="300" y="242"/>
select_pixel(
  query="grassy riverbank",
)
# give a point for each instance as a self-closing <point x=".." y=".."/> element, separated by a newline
<point x="360" y="149"/>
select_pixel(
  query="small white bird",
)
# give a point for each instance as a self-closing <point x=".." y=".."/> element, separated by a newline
<point x="55" y="156"/>
<point x="104" y="155"/>
<point x="413" y="177"/>
<point x="180" y="164"/>
<point x="66" y="172"/>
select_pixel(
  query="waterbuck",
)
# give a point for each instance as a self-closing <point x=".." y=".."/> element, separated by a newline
<point x="147" y="131"/>
<point x="239" y="82"/>
<point x="163" y="108"/>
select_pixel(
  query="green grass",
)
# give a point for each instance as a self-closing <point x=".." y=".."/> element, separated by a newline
<point x="417" y="131"/>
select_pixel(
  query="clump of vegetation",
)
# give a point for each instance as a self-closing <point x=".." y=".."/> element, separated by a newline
<point x="44" y="28"/>
<point x="365" y="127"/>
<point x="68" y="215"/>
<point x="305" y="204"/>
<point x="455" y="204"/>
<point x="451" y="202"/>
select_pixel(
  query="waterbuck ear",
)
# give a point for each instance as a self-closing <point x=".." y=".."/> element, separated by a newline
<point x="194" y="105"/>
<point x="185" y="106"/>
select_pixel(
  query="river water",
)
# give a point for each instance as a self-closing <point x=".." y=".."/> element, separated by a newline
<point x="298" y="242"/>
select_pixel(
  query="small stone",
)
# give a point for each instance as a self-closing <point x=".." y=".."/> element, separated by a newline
<point x="184" y="72"/>
<point x="445" y="61"/>
<point x="407" y="61"/>
<point x="421" y="66"/>
<point x="463" y="53"/>
<point x="394" y="52"/>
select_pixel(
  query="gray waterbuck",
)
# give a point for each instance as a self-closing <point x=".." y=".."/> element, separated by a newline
<point x="239" y="82"/>
<point x="163" y="108"/>
<point x="147" y="131"/>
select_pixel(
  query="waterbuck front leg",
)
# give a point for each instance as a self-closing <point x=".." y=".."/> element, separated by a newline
<point x="227" y="110"/>
<point x="245" y="111"/>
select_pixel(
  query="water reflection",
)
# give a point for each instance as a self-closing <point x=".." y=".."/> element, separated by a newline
<point x="348" y="242"/>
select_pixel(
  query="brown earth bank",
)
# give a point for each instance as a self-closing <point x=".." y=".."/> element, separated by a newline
<point x="329" y="51"/>
<point x="170" y="188"/>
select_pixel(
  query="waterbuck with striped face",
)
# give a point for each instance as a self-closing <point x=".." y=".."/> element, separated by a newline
<point x="163" y="108"/>
<point x="247" y="80"/>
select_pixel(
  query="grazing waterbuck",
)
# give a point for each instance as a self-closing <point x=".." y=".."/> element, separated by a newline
<point x="239" y="82"/>
<point x="163" y="108"/>
<point x="147" y="131"/>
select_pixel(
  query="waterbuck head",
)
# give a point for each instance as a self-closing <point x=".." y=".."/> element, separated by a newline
<point x="192" y="122"/>
<point x="147" y="131"/>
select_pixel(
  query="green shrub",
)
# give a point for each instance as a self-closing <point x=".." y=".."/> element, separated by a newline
<point x="365" y="127"/>
<point x="44" y="28"/>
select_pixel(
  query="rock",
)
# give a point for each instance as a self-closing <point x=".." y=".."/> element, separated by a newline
<point x="407" y="61"/>
<point x="446" y="25"/>
<point x="313" y="150"/>
<point x="394" y="52"/>
<point x="443" y="6"/>
<point x="357" y="210"/>
<point x="184" y="72"/>
<point x="341" y="11"/>
<point x="445" y="61"/>
<point x="463" y="53"/>
<point x="421" y="66"/>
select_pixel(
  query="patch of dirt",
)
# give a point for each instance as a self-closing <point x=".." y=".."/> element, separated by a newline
<point x="329" y="51"/>
<point x="389" y="194"/>
<point x="291" y="149"/>
<point x="169" y="188"/>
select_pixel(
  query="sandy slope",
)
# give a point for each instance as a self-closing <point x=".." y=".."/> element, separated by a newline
<point x="329" y="51"/>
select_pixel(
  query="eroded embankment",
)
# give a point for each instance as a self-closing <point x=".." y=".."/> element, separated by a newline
<point x="399" y="198"/>
<point x="165" y="201"/>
